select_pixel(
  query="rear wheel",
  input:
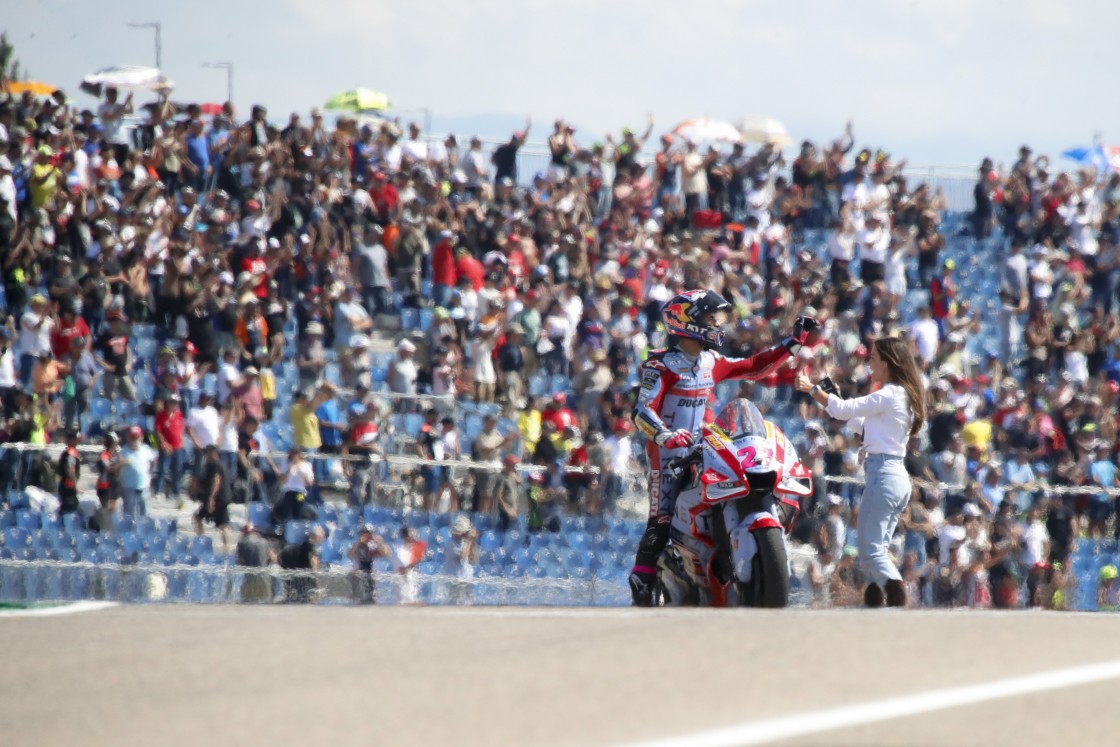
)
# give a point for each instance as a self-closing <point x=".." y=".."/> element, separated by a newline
<point x="769" y="584"/>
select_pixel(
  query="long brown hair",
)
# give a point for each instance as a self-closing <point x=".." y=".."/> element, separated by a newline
<point x="903" y="370"/>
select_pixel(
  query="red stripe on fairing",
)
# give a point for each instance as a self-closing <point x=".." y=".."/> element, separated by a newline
<point x="763" y="522"/>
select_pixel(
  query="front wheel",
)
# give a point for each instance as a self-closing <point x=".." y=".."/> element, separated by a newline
<point x="769" y="584"/>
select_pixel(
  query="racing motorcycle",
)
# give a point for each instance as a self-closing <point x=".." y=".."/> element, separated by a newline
<point x="744" y="483"/>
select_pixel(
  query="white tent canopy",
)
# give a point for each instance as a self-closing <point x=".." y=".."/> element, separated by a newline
<point x="126" y="76"/>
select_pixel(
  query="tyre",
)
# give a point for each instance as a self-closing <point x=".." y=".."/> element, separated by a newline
<point x="769" y="584"/>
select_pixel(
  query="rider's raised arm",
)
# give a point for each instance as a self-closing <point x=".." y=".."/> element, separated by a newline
<point x="757" y="366"/>
<point x="651" y="396"/>
<point x="762" y="364"/>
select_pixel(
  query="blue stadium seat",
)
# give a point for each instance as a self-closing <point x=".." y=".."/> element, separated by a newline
<point x="472" y="427"/>
<point x="412" y="423"/>
<point x="260" y="515"/>
<point x="17" y="538"/>
<point x="72" y="522"/>
<point x="295" y="532"/>
<point x="489" y="541"/>
<point x="133" y="543"/>
<point x="410" y="319"/>
<point x="202" y="546"/>
<point x="124" y="524"/>
<point x="27" y="520"/>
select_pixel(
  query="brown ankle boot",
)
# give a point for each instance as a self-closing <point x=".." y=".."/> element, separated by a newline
<point x="896" y="593"/>
<point x="873" y="596"/>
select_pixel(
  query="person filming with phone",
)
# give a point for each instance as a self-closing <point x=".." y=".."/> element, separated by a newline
<point x="891" y="415"/>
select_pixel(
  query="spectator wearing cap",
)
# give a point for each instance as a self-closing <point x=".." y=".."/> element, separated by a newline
<point x="311" y="359"/>
<point x="111" y="115"/>
<point x="368" y="547"/>
<point x="9" y="381"/>
<point x="35" y="328"/>
<point x="1102" y="473"/>
<point x="169" y="426"/>
<point x="203" y="426"/>
<point x="251" y="329"/>
<point x="304" y="419"/>
<point x="460" y="557"/>
<point x="487" y="447"/>
<point x="412" y="249"/>
<point x="8" y="195"/>
<point x="137" y="459"/>
<point x="403" y="371"/>
<point x="70" y="326"/>
<point x="370" y="264"/>
<point x="254" y="551"/>
<point x="115" y="358"/>
<point x="1014" y="300"/>
<point x="351" y="320"/>
<point x="620" y="465"/>
<point x="295" y="485"/>
<point x="229" y="375"/>
<point x="1035" y="551"/>
<point x="511" y="364"/>
<point x="360" y="446"/>
<point x="48" y="378"/>
<point x="214" y="492"/>
<point x="504" y="158"/>
<point x="83" y="371"/>
<point x="69" y="473"/>
<point x="248" y="393"/>
<point x="44" y="178"/>
<point x="64" y="286"/>
<point x="198" y="156"/>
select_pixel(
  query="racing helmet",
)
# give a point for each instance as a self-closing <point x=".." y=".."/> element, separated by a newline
<point x="683" y="314"/>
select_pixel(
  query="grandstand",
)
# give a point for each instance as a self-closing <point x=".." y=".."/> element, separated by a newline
<point x="47" y="558"/>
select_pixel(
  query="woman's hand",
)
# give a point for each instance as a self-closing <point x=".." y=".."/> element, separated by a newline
<point x="802" y="383"/>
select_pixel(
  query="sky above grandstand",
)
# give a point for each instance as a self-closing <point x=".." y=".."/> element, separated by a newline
<point x="939" y="81"/>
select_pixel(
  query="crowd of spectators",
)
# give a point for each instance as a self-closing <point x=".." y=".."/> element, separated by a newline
<point x="233" y="277"/>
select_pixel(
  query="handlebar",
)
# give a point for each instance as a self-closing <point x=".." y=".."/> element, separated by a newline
<point x="694" y="457"/>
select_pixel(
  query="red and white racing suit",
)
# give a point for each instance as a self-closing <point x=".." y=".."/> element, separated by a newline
<point x="677" y="392"/>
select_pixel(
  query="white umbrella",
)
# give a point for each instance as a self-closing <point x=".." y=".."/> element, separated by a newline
<point x="758" y="128"/>
<point x="126" y="76"/>
<point x="704" y="130"/>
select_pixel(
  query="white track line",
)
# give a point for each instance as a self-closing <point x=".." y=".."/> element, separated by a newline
<point x="814" y="722"/>
<point x="65" y="609"/>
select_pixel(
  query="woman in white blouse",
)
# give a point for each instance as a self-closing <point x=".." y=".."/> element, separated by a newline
<point x="891" y="415"/>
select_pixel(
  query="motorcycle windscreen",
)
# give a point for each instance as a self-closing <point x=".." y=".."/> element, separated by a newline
<point x="740" y="418"/>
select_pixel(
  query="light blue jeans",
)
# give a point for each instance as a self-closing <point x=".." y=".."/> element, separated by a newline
<point x="884" y="496"/>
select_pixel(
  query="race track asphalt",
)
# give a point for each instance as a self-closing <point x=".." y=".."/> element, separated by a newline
<point x="526" y="677"/>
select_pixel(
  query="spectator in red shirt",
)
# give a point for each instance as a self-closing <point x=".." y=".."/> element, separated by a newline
<point x="386" y="198"/>
<point x="254" y="264"/>
<point x="469" y="267"/>
<point x="70" y="327"/>
<point x="444" y="272"/>
<point x="942" y="292"/>
<point x="169" y="439"/>
<point x="558" y="413"/>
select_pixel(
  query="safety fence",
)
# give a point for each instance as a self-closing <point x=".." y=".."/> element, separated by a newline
<point x="523" y="467"/>
<point x="46" y="580"/>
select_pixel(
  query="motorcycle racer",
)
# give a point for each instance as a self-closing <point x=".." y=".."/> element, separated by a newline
<point x="677" y="385"/>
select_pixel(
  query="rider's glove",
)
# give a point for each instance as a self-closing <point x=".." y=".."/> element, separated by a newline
<point x="674" y="439"/>
<point x="802" y="328"/>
